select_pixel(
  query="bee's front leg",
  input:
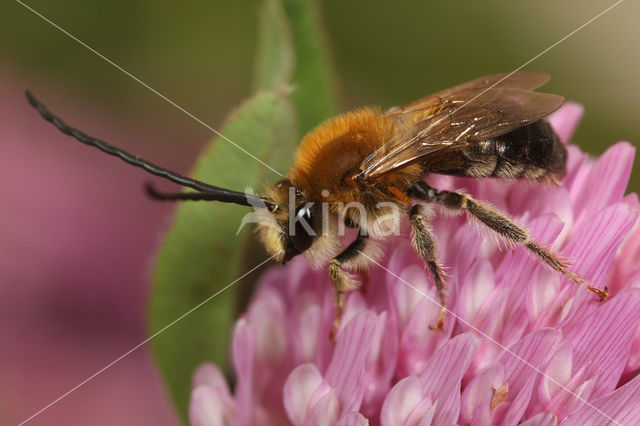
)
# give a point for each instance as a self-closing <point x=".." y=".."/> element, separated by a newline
<point x="342" y="280"/>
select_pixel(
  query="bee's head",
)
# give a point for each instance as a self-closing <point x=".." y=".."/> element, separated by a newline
<point x="294" y="224"/>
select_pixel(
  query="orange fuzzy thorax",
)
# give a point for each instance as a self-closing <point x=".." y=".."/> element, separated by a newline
<point x="332" y="153"/>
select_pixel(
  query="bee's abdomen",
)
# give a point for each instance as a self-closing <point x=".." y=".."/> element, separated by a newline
<point x="531" y="152"/>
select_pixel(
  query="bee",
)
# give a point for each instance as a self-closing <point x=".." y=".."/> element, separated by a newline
<point x="359" y="167"/>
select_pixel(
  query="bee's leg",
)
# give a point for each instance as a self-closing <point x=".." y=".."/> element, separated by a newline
<point x="424" y="244"/>
<point x="342" y="280"/>
<point x="500" y="223"/>
<point x="364" y="285"/>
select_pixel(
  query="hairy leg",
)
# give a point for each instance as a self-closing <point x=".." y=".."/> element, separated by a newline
<point x="498" y="222"/>
<point x="424" y="244"/>
<point x="342" y="280"/>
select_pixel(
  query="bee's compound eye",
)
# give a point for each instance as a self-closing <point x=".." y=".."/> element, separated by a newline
<point x="303" y="235"/>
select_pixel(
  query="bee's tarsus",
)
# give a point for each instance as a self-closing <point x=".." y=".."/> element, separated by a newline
<point x="601" y="293"/>
<point x="439" y="327"/>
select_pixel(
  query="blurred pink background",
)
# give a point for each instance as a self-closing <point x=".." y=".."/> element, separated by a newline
<point x="77" y="238"/>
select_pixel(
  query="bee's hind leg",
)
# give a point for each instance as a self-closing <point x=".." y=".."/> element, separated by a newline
<point x="500" y="223"/>
<point x="424" y="244"/>
<point x="342" y="280"/>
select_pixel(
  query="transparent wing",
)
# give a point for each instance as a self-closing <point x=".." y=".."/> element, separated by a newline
<point x="474" y="111"/>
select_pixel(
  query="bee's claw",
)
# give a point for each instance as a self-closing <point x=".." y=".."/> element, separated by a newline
<point x="601" y="293"/>
<point x="439" y="327"/>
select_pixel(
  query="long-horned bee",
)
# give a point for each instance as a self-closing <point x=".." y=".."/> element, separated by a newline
<point x="360" y="167"/>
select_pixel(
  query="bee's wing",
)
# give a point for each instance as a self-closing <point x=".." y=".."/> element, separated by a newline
<point x="472" y="112"/>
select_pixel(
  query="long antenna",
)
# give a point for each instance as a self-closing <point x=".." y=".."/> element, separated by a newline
<point x="209" y="192"/>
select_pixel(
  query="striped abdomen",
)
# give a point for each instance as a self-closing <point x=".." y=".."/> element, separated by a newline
<point x="531" y="152"/>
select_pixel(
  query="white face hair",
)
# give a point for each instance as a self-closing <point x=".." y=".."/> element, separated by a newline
<point x="316" y="229"/>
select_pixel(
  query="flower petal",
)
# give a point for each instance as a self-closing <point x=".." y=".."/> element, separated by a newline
<point x="541" y="419"/>
<point x="404" y="297"/>
<point x="243" y="352"/>
<point x="406" y="404"/>
<point x="633" y="363"/>
<point x="478" y="389"/>
<point x="557" y="373"/>
<point x="566" y="119"/>
<point x="380" y="364"/>
<point x="441" y="379"/>
<point x="353" y="419"/>
<point x="522" y="364"/>
<point x="208" y="408"/>
<point x="325" y="411"/>
<point x="565" y="401"/>
<point x="306" y="328"/>
<point x="579" y="166"/>
<point x="418" y="341"/>
<point x="595" y="245"/>
<point x="346" y="370"/>
<point x="267" y="316"/>
<point x="466" y="239"/>
<point x="478" y="284"/>
<point x="620" y="406"/>
<point x="511" y="413"/>
<point x="602" y="341"/>
<point x="210" y="375"/>
<point x="615" y="164"/>
<point x="525" y="358"/>
<point x="593" y="248"/>
<point x="299" y="388"/>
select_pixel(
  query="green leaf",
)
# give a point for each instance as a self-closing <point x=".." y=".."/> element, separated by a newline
<point x="274" y="56"/>
<point x="201" y="253"/>
<point x="292" y="51"/>
<point x="314" y="94"/>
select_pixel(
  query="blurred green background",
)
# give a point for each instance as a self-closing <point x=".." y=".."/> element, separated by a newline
<point x="201" y="55"/>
